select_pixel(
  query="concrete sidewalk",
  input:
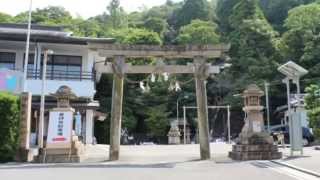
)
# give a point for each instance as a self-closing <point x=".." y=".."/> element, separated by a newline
<point x="309" y="161"/>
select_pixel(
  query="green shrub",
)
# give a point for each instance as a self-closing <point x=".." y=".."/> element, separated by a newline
<point x="312" y="100"/>
<point x="316" y="133"/>
<point x="9" y="126"/>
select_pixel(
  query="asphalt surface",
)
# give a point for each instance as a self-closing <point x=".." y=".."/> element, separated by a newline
<point x="155" y="163"/>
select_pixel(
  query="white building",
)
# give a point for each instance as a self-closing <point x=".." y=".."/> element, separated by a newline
<point x="71" y="64"/>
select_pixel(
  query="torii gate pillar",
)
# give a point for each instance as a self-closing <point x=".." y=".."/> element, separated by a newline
<point x="116" y="108"/>
<point x="201" y="92"/>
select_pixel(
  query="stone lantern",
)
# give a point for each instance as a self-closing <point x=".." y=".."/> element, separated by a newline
<point x="254" y="122"/>
<point x="62" y="145"/>
<point x="254" y="143"/>
<point x="174" y="133"/>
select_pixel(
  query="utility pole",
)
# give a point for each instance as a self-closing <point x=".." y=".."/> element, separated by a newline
<point x="26" y="59"/>
<point x="42" y="101"/>
<point x="229" y="124"/>
<point x="266" y="87"/>
<point x="184" y="125"/>
<point x="178" y="110"/>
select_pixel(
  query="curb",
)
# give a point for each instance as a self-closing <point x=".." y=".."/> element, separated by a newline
<point x="312" y="173"/>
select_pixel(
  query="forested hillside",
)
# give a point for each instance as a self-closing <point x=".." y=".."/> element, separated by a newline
<point x="262" y="33"/>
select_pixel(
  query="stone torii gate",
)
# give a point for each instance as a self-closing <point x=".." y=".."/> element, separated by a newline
<point x="200" y="68"/>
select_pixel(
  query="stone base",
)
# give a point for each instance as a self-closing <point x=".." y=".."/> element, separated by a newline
<point x="60" y="158"/>
<point x="255" y="152"/>
<point x="174" y="140"/>
<point x="75" y="154"/>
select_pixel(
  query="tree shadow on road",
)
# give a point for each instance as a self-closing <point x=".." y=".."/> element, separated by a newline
<point x="106" y="164"/>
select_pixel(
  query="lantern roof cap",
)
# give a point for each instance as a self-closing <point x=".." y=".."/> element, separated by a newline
<point x="252" y="90"/>
<point x="64" y="92"/>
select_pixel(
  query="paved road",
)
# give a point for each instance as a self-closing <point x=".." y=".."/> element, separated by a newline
<point x="204" y="170"/>
<point x="155" y="163"/>
<point x="309" y="161"/>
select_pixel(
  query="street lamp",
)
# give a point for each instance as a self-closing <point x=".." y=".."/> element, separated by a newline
<point x="42" y="103"/>
<point x="294" y="72"/>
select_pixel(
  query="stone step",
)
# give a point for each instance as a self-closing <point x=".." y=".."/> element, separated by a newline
<point x="253" y="148"/>
<point x="246" y="156"/>
<point x="61" y="158"/>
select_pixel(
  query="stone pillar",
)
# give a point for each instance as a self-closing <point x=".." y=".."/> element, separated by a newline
<point x="89" y="126"/>
<point x="24" y="153"/>
<point x="116" y="108"/>
<point x="201" y="92"/>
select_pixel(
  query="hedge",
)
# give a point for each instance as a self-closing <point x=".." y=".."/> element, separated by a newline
<point x="9" y="126"/>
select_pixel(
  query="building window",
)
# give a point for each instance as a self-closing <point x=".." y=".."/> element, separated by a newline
<point x="64" y="67"/>
<point x="34" y="71"/>
<point x="7" y="60"/>
<point x="59" y="67"/>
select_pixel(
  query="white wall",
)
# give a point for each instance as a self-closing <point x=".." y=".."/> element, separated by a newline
<point x="83" y="88"/>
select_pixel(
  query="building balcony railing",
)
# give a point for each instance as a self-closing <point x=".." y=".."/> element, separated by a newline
<point x="61" y="75"/>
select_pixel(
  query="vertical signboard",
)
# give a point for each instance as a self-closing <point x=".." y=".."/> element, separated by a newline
<point x="60" y="129"/>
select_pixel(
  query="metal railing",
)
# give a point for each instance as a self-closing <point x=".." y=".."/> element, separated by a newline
<point x="61" y="75"/>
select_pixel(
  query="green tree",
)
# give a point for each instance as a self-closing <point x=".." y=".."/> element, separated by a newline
<point x="58" y="16"/>
<point x="9" y="129"/>
<point x="243" y="11"/>
<point x="276" y="11"/>
<point x="252" y="42"/>
<point x="313" y="106"/>
<point x="199" y="32"/>
<point x="157" y="25"/>
<point x="51" y="15"/>
<point x="191" y="10"/>
<point x="136" y="36"/>
<point x="86" y="28"/>
<point x="117" y="16"/>
<point x="254" y="50"/>
<point x="157" y="121"/>
<point x="213" y="10"/>
<point x="301" y="43"/>
<point x="5" y="18"/>
<point x="223" y="12"/>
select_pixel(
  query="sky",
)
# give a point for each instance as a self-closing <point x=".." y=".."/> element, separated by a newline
<point x="84" y="8"/>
